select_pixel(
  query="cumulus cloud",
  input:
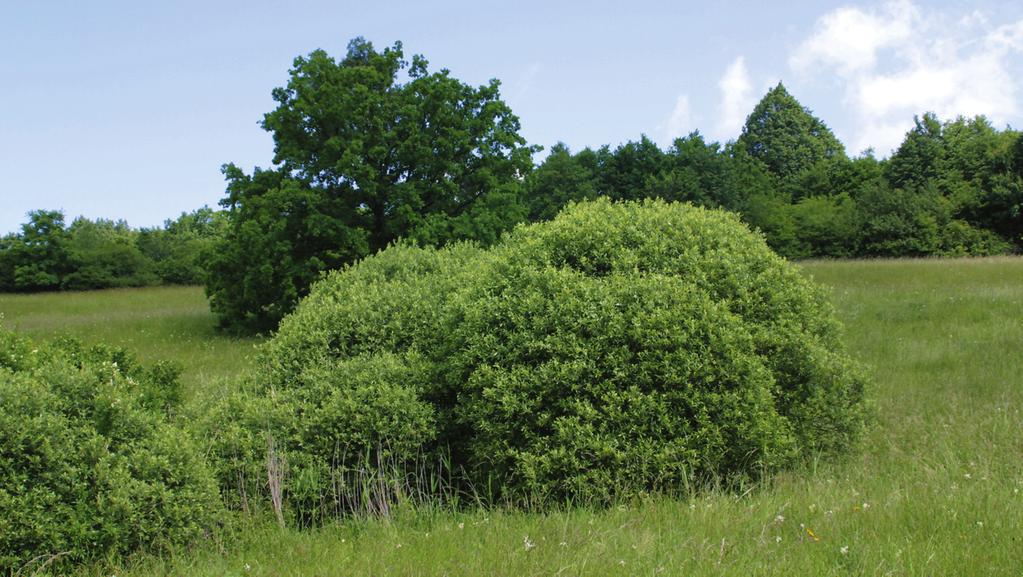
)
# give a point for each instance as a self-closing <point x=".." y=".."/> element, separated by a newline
<point x="849" y="38"/>
<point x="896" y="61"/>
<point x="680" y="123"/>
<point x="737" y="99"/>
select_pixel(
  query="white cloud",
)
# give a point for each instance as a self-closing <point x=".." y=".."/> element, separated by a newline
<point x="897" y="61"/>
<point x="736" y="99"/>
<point x="680" y="123"/>
<point x="849" y="38"/>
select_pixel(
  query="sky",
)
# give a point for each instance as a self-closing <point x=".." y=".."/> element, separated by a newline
<point x="127" y="110"/>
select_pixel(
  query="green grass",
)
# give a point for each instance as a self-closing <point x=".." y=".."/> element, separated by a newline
<point x="160" y="323"/>
<point x="935" y="489"/>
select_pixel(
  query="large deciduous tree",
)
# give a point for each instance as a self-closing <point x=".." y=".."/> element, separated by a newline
<point x="368" y="149"/>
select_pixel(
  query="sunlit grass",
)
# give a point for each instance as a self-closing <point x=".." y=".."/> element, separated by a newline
<point x="934" y="490"/>
<point x="168" y="323"/>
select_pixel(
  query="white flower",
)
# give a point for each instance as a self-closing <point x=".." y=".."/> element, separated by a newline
<point x="528" y="544"/>
<point x="844" y="550"/>
<point x="248" y="567"/>
<point x="779" y="519"/>
<point x="967" y="476"/>
<point x="461" y="525"/>
<point x="866" y="505"/>
<point x="777" y="539"/>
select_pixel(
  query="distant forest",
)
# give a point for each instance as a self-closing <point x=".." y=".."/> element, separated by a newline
<point x="48" y="254"/>
<point x="437" y="161"/>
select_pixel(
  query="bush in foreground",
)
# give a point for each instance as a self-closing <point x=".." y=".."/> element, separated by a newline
<point x="91" y="465"/>
<point x="618" y="349"/>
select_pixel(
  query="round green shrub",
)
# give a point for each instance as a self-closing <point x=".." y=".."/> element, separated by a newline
<point x="91" y="466"/>
<point x="619" y="348"/>
<point x="343" y="389"/>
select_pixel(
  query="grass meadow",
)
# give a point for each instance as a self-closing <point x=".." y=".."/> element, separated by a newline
<point x="156" y="323"/>
<point x="935" y="488"/>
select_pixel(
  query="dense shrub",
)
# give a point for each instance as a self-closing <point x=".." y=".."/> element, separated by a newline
<point x="345" y="386"/>
<point x="617" y="349"/>
<point x="91" y="463"/>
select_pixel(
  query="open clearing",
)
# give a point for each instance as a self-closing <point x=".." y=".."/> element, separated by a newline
<point x="935" y="489"/>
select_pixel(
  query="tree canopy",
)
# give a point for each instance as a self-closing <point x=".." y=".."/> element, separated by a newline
<point x="786" y="136"/>
<point x="102" y="253"/>
<point x="367" y="149"/>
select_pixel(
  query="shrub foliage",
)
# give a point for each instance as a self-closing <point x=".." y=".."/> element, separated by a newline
<point x="92" y="462"/>
<point x="618" y="349"/>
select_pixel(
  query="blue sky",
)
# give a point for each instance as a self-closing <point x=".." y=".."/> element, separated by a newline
<point x="128" y="109"/>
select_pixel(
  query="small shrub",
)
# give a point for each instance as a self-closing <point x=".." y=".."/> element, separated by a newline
<point x="91" y="466"/>
<point x="618" y="349"/>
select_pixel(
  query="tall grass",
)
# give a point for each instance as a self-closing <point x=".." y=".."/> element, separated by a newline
<point x="935" y="489"/>
<point x="157" y="323"/>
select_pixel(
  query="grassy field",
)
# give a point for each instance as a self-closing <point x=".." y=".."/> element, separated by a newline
<point x="169" y="323"/>
<point x="935" y="489"/>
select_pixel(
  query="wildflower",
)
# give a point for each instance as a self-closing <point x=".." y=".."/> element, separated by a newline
<point x="967" y="476"/>
<point x="812" y="535"/>
<point x="563" y="544"/>
<point x="398" y="546"/>
<point x="844" y="550"/>
<point x="461" y="525"/>
<point x="248" y="567"/>
<point x="779" y="519"/>
<point x="528" y="544"/>
<point x="777" y="539"/>
<point x="866" y="505"/>
<point x="621" y="562"/>
<point x="980" y="523"/>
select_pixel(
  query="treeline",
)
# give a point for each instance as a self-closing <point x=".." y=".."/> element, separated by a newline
<point x="372" y="148"/>
<point x="952" y="188"/>
<point x="88" y="254"/>
<point x="366" y="154"/>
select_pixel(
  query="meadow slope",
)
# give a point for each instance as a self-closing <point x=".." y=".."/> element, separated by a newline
<point x="934" y="490"/>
